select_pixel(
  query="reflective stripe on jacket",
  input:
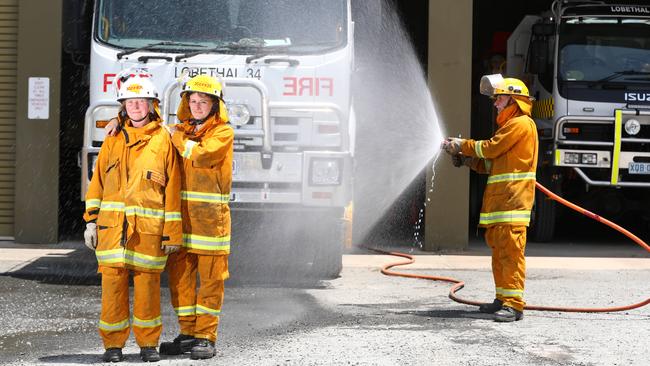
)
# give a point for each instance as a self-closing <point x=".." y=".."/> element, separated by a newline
<point x="206" y="181"/>
<point x="510" y="159"/>
<point x="136" y="188"/>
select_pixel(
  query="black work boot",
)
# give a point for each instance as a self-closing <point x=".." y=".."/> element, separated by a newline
<point x="491" y="308"/>
<point x="202" y="349"/>
<point x="149" y="354"/>
<point x="113" y="355"/>
<point x="181" y="344"/>
<point x="508" y="314"/>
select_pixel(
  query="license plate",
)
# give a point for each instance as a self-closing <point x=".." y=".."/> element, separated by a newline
<point x="639" y="168"/>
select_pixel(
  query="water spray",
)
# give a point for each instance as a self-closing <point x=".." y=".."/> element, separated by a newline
<point x="459" y="285"/>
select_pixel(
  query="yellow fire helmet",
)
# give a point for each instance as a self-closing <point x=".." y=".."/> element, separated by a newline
<point x="495" y="84"/>
<point x="202" y="84"/>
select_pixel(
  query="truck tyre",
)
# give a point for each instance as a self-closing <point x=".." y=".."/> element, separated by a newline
<point x="543" y="215"/>
<point x="286" y="246"/>
<point x="328" y="248"/>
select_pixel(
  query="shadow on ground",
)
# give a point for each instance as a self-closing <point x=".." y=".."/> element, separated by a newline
<point x="79" y="267"/>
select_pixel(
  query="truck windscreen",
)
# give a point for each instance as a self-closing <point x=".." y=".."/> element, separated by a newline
<point x="612" y="50"/>
<point x="298" y="25"/>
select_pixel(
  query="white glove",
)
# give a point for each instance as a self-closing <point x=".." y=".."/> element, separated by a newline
<point x="169" y="249"/>
<point x="452" y="145"/>
<point x="90" y="235"/>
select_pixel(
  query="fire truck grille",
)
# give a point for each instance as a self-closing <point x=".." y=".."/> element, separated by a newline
<point x="588" y="132"/>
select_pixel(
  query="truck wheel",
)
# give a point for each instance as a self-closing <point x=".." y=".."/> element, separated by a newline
<point x="543" y="215"/>
<point x="328" y="249"/>
<point x="286" y="246"/>
<point x="325" y="237"/>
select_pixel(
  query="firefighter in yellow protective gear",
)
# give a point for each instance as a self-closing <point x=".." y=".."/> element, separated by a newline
<point x="133" y="215"/>
<point x="205" y="142"/>
<point x="510" y="160"/>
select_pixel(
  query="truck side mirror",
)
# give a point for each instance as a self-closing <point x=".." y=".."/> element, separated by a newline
<point x="538" y="56"/>
<point x="367" y="16"/>
<point x="543" y="29"/>
<point x="77" y="27"/>
<point x="539" y="53"/>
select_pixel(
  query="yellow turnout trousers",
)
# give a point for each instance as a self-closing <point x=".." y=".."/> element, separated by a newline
<point x="114" y="322"/>
<point x="198" y="312"/>
<point x="508" y="243"/>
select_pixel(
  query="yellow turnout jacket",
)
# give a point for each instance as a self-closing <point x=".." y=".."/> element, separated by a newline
<point x="510" y="159"/>
<point x="135" y="188"/>
<point x="206" y="182"/>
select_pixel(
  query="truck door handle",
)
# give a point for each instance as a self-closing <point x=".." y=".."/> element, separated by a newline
<point x="292" y="62"/>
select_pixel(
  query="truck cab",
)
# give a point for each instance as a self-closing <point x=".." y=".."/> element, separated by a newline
<point x="588" y="66"/>
<point x="286" y="66"/>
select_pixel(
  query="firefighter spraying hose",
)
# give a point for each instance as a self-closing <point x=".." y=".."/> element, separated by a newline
<point x="510" y="159"/>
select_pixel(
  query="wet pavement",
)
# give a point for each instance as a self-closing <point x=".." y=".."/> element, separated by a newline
<point x="360" y="318"/>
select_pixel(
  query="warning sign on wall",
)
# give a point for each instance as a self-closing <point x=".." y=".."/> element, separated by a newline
<point x="38" y="106"/>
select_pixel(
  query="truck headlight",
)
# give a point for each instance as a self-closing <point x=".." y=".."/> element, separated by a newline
<point x="571" y="158"/>
<point x="239" y="114"/>
<point x="632" y="127"/>
<point x="325" y="172"/>
<point x="590" y="158"/>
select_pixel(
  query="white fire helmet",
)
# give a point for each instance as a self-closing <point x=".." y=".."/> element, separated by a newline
<point x="136" y="86"/>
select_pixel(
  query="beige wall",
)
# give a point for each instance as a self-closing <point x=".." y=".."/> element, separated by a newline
<point x="37" y="140"/>
<point x="450" y="69"/>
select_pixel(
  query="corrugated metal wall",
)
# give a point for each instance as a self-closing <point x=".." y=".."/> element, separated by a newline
<point x="8" y="54"/>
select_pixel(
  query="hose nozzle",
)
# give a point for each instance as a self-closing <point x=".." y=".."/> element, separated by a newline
<point x="447" y="145"/>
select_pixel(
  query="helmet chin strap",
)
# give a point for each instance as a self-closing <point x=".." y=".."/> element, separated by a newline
<point x="141" y="119"/>
<point x="194" y="121"/>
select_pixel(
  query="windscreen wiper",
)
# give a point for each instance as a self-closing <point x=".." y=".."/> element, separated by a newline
<point x="293" y="62"/>
<point x="220" y="48"/>
<point x="617" y="74"/>
<point x="152" y="46"/>
<point x="257" y="47"/>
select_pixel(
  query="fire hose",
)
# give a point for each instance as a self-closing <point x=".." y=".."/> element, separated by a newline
<point x="459" y="285"/>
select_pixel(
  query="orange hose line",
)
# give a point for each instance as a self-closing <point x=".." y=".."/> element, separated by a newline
<point x="592" y="215"/>
<point x="458" y="285"/>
